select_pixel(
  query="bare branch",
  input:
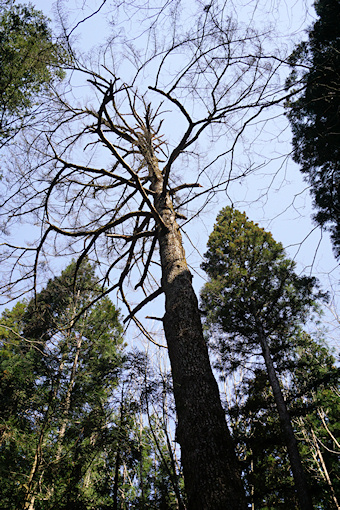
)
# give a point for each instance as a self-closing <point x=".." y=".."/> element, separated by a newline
<point x="145" y="301"/>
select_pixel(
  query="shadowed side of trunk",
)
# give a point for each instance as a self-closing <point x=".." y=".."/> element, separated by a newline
<point x="303" y="493"/>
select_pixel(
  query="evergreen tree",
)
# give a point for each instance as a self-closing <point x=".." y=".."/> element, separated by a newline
<point x="29" y="61"/>
<point x="255" y="296"/>
<point x="315" y="399"/>
<point x="79" y="422"/>
<point x="59" y="374"/>
<point x="315" y="114"/>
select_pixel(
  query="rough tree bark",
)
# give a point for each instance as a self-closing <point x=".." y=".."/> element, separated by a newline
<point x="211" y="474"/>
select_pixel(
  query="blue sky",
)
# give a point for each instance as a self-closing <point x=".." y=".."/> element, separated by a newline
<point x="274" y="195"/>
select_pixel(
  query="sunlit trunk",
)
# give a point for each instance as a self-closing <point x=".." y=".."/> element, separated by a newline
<point x="67" y="401"/>
<point x="32" y="484"/>
<point x="325" y="470"/>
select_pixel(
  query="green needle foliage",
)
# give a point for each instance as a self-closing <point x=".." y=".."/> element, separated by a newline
<point x="315" y="114"/>
<point x="252" y="285"/>
<point x="253" y="292"/>
<point x="29" y="61"/>
<point x="310" y="388"/>
<point x="74" y="410"/>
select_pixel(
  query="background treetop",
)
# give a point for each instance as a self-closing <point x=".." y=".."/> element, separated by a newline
<point x="314" y="114"/>
<point x="252" y="281"/>
<point x="30" y="61"/>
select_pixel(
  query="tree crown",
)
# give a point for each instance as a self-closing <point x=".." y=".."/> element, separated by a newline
<point x="252" y="284"/>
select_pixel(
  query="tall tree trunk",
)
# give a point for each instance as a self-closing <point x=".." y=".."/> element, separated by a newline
<point x="211" y="473"/>
<point x="303" y="493"/>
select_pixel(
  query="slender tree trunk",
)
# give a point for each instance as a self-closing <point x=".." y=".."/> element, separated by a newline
<point x="174" y="477"/>
<point x="252" y="488"/>
<point x="210" y="468"/>
<point x="67" y="403"/>
<point x="303" y="493"/>
<point x="171" y="472"/>
<point x="30" y="495"/>
<point x="117" y="464"/>
<point x="325" y="471"/>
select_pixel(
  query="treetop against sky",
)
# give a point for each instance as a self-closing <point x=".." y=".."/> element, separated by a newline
<point x="156" y="72"/>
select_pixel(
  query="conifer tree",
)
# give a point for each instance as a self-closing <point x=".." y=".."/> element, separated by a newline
<point x="314" y="113"/>
<point x="255" y="296"/>
<point x="77" y="428"/>
<point x="309" y="380"/>
<point x="59" y="374"/>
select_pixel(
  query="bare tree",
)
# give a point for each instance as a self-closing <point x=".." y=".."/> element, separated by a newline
<point x="110" y="180"/>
